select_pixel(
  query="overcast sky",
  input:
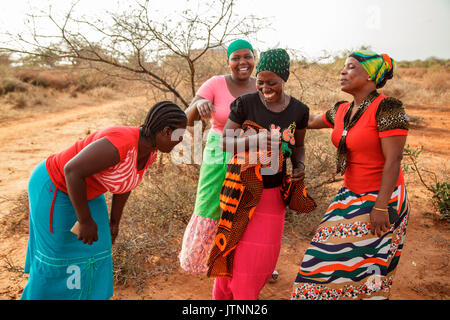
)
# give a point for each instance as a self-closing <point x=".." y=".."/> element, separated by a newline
<point x="405" y="29"/>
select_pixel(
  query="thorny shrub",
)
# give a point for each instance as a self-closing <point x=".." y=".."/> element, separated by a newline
<point x="440" y="190"/>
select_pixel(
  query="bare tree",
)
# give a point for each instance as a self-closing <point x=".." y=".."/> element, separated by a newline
<point x="135" y="44"/>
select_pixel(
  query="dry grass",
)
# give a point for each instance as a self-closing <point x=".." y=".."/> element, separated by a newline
<point x="25" y="91"/>
<point x="153" y="223"/>
<point x="9" y="84"/>
<point x="102" y="93"/>
<point x="17" y="220"/>
<point x="61" y="79"/>
<point x="421" y="85"/>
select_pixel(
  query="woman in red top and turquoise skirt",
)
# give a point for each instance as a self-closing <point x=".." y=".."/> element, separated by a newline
<point x="357" y="246"/>
<point x="69" y="187"/>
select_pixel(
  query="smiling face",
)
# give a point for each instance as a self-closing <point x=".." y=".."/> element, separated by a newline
<point x="353" y="77"/>
<point x="241" y="63"/>
<point x="270" y="85"/>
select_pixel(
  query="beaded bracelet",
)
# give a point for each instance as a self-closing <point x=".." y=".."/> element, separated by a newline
<point x="379" y="209"/>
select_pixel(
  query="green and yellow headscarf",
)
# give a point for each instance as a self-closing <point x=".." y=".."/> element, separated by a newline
<point x="380" y="67"/>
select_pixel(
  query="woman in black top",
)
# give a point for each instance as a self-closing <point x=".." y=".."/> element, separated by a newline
<point x="270" y="107"/>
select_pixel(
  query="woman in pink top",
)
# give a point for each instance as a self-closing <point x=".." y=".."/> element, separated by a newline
<point x="212" y="102"/>
<point x="69" y="187"/>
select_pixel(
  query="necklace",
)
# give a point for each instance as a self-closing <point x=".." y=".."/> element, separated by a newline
<point x="285" y="104"/>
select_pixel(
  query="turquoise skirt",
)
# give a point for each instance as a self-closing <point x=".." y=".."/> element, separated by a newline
<point x="61" y="267"/>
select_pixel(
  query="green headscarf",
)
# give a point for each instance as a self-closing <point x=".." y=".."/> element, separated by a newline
<point x="275" y="60"/>
<point x="239" y="44"/>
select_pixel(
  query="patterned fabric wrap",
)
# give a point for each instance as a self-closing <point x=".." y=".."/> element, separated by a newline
<point x="240" y="194"/>
<point x="380" y="67"/>
<point x="275" y="60"/>
<point x="237" y="45"/>
<point x="239" y="197"/>
<point x="344" y="260"/>
<point x="295" y="196"/>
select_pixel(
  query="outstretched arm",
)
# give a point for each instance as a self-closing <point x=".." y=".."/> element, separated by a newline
<point x="94" y="158"/>
<point x="316" y="122"/>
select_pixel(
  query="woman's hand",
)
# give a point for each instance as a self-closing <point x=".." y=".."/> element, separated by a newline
<point x="205" y="108"/>
<point x="379" y="222"/>
<point x="298" y="174"/>
<point x="88" y="232"/>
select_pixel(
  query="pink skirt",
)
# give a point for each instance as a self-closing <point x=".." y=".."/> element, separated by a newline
<point x="257" y="252"/>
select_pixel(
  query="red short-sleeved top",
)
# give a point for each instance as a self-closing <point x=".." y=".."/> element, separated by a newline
<point x="384" y="117"/>
<point x="121" y="178"/>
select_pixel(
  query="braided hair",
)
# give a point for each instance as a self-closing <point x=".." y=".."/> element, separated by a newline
<point x="162" y="114"/>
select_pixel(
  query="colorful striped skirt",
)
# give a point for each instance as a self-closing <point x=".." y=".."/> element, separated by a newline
<point x="344" y="260"/>
<point x="61" y="267"/>
<point x="201" y="230"/>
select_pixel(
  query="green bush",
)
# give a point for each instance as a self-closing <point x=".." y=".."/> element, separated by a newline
<point x="441" y="191"/>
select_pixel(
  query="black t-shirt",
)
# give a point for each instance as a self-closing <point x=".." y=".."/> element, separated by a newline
<point x="294" y="117"/>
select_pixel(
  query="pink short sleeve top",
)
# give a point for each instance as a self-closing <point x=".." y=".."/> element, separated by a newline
<point x="216" y="90"/>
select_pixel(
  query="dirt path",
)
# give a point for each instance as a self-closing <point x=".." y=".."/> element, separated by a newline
<point x="26" y="142"/>
<point x="423" y="272"/>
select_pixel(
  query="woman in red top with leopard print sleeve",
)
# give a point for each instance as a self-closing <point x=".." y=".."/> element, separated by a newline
<point x="357" y="246"/>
